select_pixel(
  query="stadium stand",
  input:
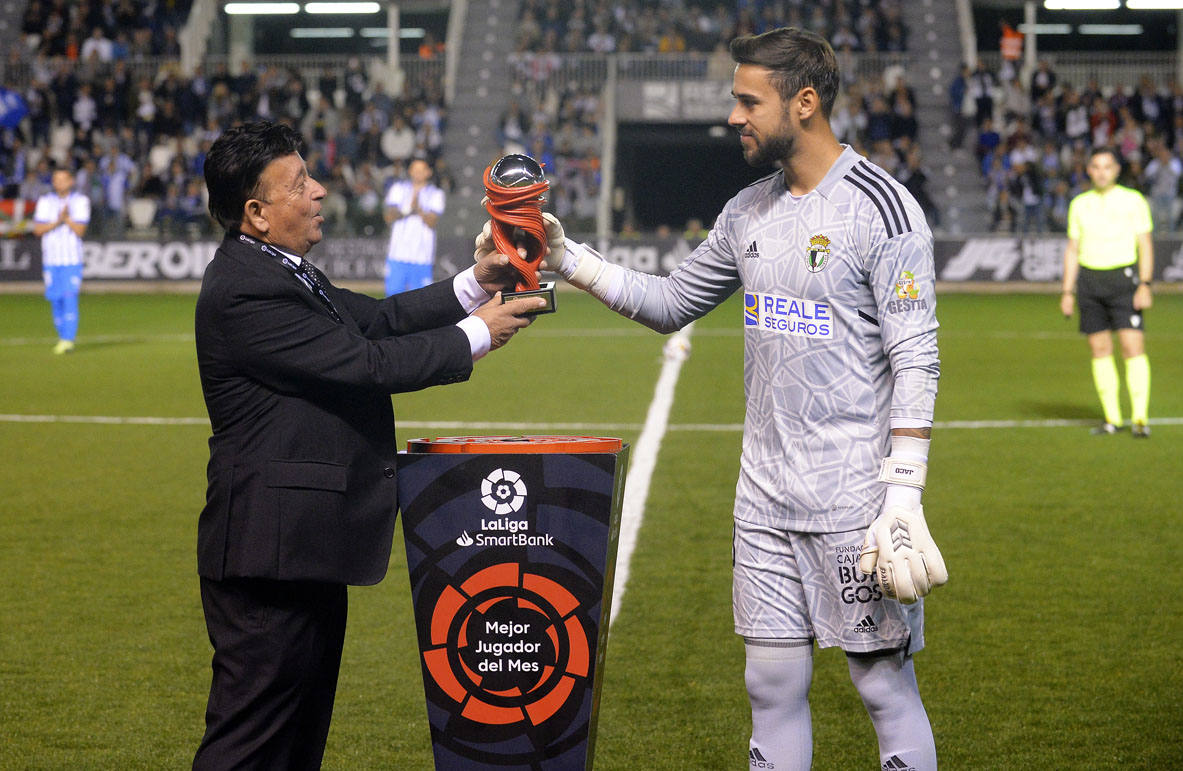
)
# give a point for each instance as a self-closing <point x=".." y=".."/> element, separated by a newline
<point x="105" y="90"/>
<point x="137" y="128"/>
<point x="1033" y="147"/>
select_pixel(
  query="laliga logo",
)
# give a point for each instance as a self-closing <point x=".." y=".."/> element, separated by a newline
<point x="503" y="491"/>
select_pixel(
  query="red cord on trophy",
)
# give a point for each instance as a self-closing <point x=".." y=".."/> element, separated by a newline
<point x="514" y="190"/>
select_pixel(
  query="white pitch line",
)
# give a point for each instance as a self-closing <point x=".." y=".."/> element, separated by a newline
<point x="104" y="339"/>
<point x="644" y="461"/>
<point x="116" y="420"/>
<point x="548" y="428"/>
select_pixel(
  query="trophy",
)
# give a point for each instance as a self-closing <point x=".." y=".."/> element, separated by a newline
<point x="514" y="188"/>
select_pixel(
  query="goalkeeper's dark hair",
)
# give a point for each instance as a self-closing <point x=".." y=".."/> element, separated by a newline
<point x="236" y="161"/>
<point x="798" y="58"/>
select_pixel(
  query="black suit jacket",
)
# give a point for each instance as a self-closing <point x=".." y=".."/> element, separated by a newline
<point x="302" y="457"/>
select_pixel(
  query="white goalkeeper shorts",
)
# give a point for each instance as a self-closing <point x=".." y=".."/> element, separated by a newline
<point x="797" y="586"/>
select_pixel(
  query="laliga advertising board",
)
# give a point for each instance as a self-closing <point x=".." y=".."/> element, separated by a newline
<point x="511" y="548"/>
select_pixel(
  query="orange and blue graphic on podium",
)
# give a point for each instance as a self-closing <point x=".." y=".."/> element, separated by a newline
<point x="511" y="554"/>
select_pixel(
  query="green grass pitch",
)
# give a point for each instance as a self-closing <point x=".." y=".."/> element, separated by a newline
<point x="1054" y="645"/>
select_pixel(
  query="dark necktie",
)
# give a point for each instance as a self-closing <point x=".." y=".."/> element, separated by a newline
<point x="306" y="272"/>
<point x="318" y="284"/>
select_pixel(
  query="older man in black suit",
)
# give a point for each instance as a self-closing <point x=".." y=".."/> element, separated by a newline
<point x="297" y="376"/>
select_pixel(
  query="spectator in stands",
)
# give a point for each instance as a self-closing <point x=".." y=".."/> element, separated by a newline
<point x="987" y="144"/>
<point x="847" y="121"/>
<point x="1045" y="117"/>
<point x="369" y="147"/>
<point x="914" y="177"/>
<point x="1129" y="136"/>
<point x="1075" y="118"/>
<point x="844" y="36"/>
<point x="1004" y="213"/>
<point x="356" y="84"/>
<point x="879" y="121"/>
<point x="1162" y="178"/>
<point x="958" y="110"/>
<point x="982" y="84"/>
<point x="1015" y="102"/>
<point x="1010" y="47"/>
<point x="398" y="141"/>
<point x="85" y="110"/>
<point x="1102" y="121"/>
<point x="884" y="156"/>
<point x="321" y="122"/>
<point x="365" y="205"/>
<point x="1043" y="80"/>
<point x="97" y="48"/>
<point x="1056" y="205"/>
<point x="511" y="127"/>
<point x="117" y="174"/>
<point x="1026" y="193"/>
<point x="1020" y="148"/>
<point x="903" y="123"/>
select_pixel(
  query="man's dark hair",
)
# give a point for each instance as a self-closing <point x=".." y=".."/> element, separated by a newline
<point x="1106" y="150"/>
<point x="797" y="58"/>
<point x="237" y="159"/>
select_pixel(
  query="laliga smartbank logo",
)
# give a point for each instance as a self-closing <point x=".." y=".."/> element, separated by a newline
<point x="503" y="492"/>
<point x="788" y="315"/>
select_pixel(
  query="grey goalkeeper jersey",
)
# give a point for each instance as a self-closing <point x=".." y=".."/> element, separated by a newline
<point x="839" y="336"/>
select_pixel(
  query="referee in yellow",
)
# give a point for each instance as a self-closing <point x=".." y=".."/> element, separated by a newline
<point x="1108" y="267"/>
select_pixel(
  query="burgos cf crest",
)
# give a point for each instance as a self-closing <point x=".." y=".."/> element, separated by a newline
<point x="818" y="254"/>
<point x="905" y="287"/>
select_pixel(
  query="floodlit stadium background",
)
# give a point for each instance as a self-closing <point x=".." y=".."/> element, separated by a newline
<point x="1053" y="645"/>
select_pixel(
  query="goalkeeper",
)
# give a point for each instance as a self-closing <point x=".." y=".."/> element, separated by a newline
<point x="835" y="262"/>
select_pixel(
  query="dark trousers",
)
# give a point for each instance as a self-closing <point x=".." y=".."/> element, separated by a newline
<point x="277" y="651"/>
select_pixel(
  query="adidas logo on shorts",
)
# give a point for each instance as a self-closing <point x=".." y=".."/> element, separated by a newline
<point x="866" y="626"/>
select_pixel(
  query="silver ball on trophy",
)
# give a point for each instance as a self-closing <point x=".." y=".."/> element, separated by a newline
<point x="517" y="170"/>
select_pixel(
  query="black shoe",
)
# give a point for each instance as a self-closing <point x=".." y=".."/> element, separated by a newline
<point x="1105" y="429"/>
<point x="1140" y="431"/>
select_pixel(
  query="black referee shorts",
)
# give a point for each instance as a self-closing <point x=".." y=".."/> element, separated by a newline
<point x="1106" y="299"/>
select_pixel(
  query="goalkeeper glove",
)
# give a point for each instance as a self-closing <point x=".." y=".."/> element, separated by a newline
<point x="578" y="263"/>
<point x="484" y="242"/>
<point x="899" y="551"/>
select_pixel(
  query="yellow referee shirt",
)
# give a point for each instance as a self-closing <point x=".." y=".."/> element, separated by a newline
<point x="1106" y="226"/>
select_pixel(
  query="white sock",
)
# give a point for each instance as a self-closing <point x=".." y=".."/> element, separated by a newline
<point x="887" y="685"/>
<point x="778" y="674"/>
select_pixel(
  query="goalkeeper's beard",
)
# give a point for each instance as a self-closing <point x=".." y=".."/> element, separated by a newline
<point x="774" y="152"/>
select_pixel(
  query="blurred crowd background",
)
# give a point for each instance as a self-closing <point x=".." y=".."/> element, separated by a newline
<point x="105" y="93"/>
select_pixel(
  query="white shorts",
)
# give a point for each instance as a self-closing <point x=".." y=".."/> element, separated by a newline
<point x="799" y="586"/>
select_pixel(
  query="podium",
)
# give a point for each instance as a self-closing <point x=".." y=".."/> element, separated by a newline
<point x="511" y="549"/>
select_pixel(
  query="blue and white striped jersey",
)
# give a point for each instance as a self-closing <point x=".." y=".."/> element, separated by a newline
<point x="61" y="246"/>
<point x="411" y="239"/>
<point x="840" y="344"/>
